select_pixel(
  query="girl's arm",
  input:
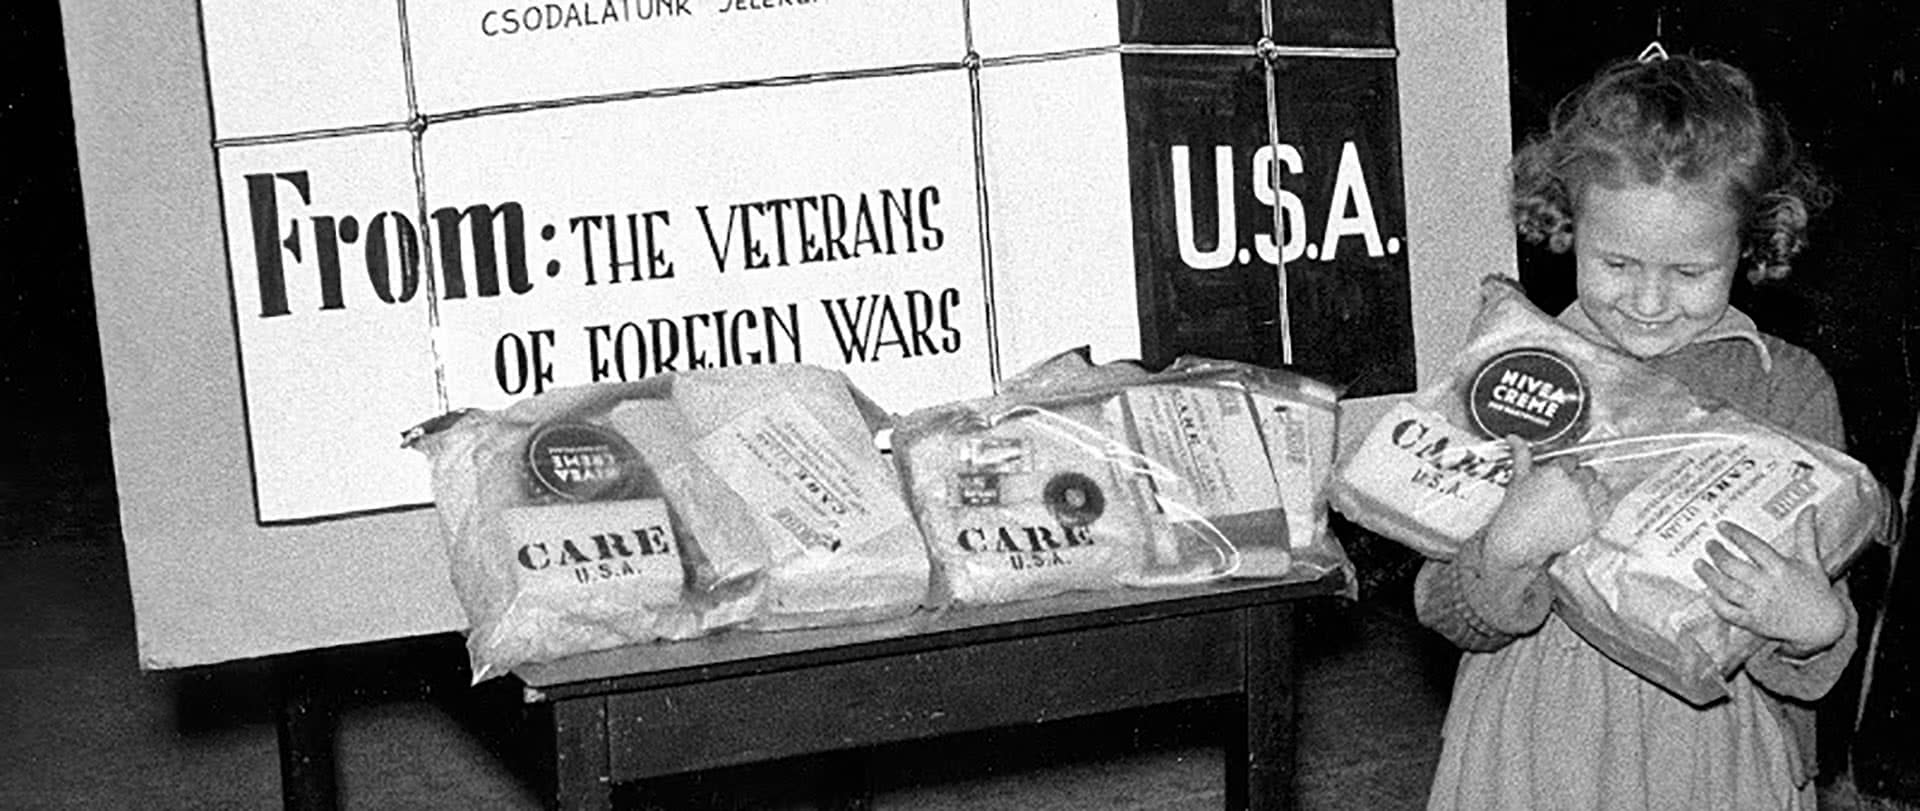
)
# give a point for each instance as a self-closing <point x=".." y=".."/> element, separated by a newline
<point x="1479" y="606"/>
<point x="1496" y="587"/>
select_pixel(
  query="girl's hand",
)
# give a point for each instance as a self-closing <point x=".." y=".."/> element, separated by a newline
<point x="1545" y="512"/>
<point x="1785" y="598"/>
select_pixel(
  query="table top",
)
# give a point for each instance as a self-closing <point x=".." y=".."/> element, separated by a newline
<point x="735" y="653"/>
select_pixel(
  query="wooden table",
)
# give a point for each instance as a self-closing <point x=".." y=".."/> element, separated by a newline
<point x="646" y="711"/>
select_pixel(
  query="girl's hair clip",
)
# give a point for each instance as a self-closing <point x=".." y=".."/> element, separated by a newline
<point x="1654" y="52"/>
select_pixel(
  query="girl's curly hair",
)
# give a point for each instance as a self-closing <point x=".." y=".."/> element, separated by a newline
<point x="1679" y="119"/>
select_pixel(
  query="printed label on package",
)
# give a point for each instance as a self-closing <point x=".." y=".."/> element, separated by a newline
<point x="580" y="461"/>
<point x="1533" y="394"/>
<point x="1075" y="499"/>
<point x="993" y="454"/>
<point x="1447" y="478"/>
<point x="1667" y="520"/>
<point x="625" y="545"/>
<point x="1208" y="441"/>
<point x="802" y="484"/>
<point x="976" y="489"/>
<point x="1300" y="443"/>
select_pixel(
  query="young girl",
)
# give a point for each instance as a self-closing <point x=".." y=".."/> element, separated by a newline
<point x="1666" y="178"/>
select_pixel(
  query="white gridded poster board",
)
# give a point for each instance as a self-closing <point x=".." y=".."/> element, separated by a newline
<point x="313" y="226"/>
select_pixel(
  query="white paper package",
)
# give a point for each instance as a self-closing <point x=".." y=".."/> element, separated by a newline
<point x="778" y="465"/>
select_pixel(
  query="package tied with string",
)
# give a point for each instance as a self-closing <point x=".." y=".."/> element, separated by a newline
<point x="1084" y="477"/>
<point x="1668" y="467"/>
<point x="596" y="516"/>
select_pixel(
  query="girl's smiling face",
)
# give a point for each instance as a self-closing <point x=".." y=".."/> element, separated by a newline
<point x="1655" y="264"/>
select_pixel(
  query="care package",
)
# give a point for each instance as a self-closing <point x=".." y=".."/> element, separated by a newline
<point x="596" y="516"/>
<point x="1083" y="477"/>
<point x="1670" y="466"/>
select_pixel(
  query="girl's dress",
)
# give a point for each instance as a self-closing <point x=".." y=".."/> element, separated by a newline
<point x="1541" y="720"/>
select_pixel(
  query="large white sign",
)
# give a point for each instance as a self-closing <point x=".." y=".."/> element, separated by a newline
<point x="313" y="226"/>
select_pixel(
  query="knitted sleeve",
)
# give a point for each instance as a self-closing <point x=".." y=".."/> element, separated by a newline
<point x="1480" y="607"/>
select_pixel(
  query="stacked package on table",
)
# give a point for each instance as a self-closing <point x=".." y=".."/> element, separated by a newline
<point x="598" y="516"/>
<point x="1083" y="477"/>
<point x="1670" y="467"/>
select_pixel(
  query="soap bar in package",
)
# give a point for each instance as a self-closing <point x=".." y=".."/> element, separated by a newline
<point x="775" y="471"/>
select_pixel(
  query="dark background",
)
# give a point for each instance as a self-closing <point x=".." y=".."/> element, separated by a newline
<point x="1843" y="72"/>
<point x="50" y="362"/>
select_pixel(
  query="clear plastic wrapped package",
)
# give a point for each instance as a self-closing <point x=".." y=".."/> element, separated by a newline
<point x="1669" y="466"/>
<point x="558" y="538"/>
<point x="596" y="516"/>
<point x="1631" y="590"/>
<point x="1081" y="477"/>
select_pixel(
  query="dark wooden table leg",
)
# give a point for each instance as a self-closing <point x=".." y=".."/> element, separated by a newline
<point x="582" y="771"/>
<point x="1233" y="718"/>
<point x="1260" y="770"/>
<point x="304" y="717"/>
